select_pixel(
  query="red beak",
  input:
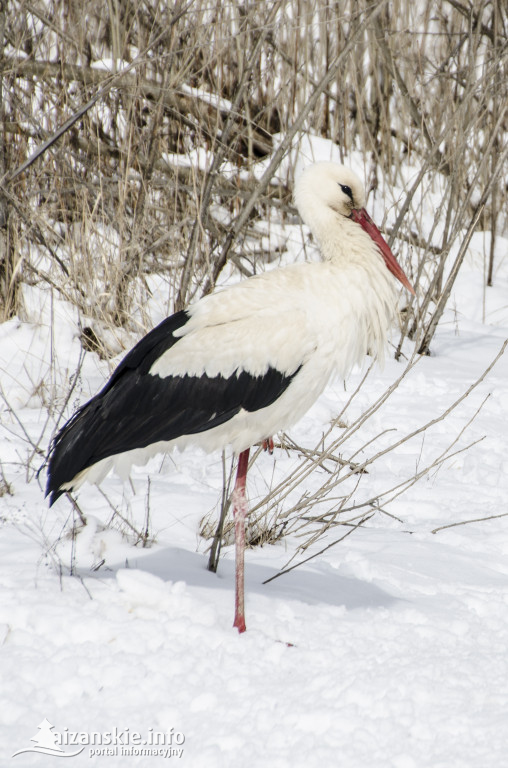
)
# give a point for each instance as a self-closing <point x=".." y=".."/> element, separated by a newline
<point x="362" y="218"/>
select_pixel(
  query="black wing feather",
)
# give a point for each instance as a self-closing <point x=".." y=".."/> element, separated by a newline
<point x="136" y="409"/>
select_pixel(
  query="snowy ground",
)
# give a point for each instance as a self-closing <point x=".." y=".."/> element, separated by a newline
<point x="390" y="649"/>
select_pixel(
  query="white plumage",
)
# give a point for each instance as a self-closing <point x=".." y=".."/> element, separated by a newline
<point x="249" y="360"/>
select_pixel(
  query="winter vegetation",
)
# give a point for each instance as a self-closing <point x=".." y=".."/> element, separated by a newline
<point x="147" y="157"/>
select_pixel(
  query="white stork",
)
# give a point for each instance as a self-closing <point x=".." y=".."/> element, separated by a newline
<point x="247" y="361"/>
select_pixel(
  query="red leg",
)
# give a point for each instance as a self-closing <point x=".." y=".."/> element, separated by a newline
<point x="239" y="514"/>
<point x="268" y="445"/>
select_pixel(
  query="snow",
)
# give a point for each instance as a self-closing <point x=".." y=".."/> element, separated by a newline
<point x="388" y="649"/>
<point x="209" y="98"/>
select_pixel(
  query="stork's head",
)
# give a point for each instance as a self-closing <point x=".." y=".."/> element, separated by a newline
<point x="326" y="191"/>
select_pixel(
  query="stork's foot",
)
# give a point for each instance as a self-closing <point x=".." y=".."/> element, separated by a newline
<point x="268" y="445"/>
<point x="239" y="623"/>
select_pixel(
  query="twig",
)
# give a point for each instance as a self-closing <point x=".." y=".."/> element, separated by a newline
<point x="213" y="559"/>
<point x="316" y="554"/>
<point x="76" y="509"/>
<point x="468" y="522"/>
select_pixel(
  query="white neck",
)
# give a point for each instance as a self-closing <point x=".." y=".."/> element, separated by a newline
<point x="345" y="244"/>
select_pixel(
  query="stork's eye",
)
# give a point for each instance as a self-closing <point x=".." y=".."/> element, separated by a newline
<point x="347" y="191"/>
